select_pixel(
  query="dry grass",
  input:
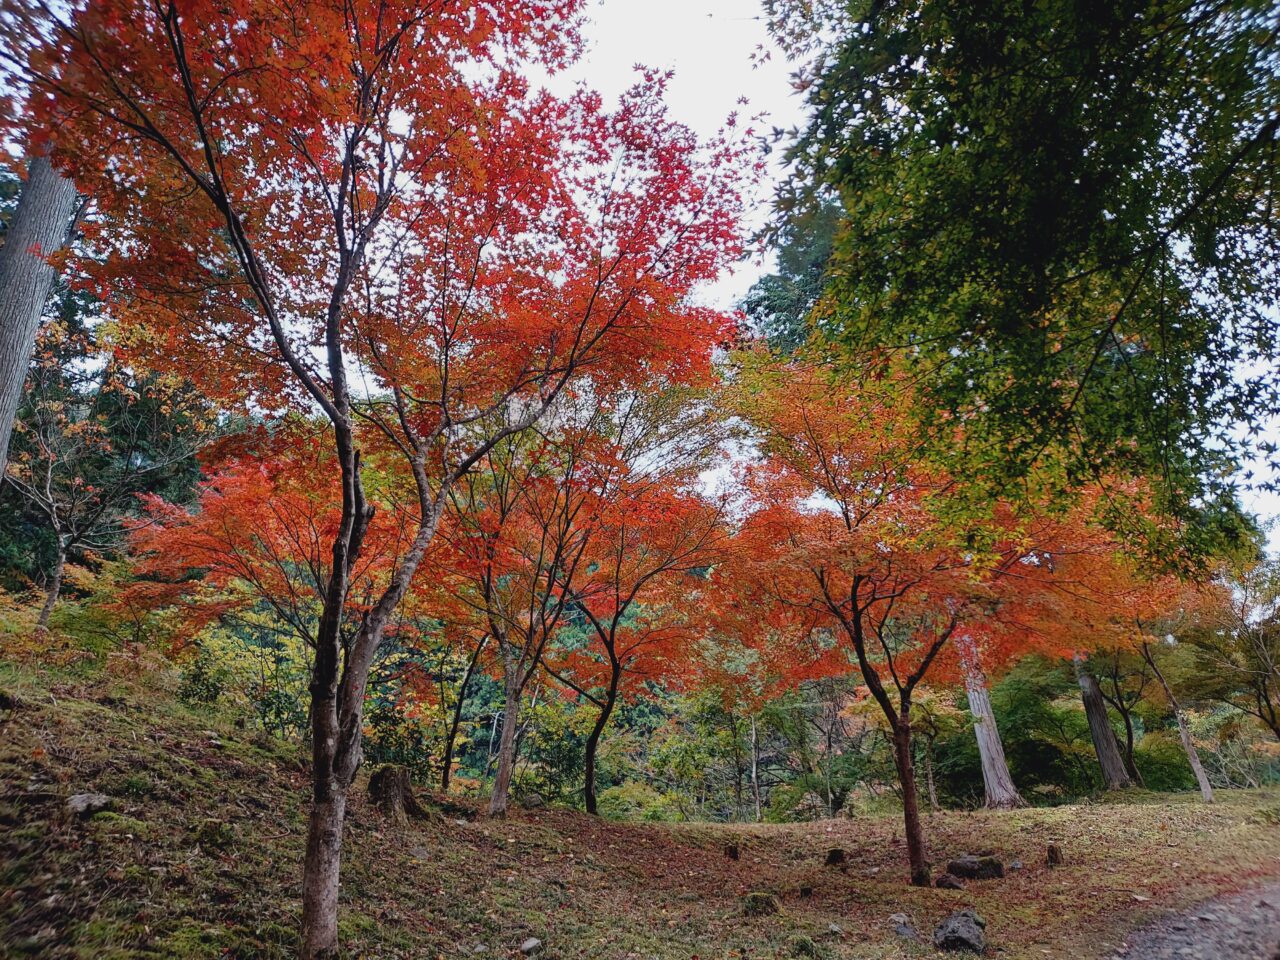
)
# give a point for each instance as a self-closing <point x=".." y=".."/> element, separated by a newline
<point x="135" y="883"/>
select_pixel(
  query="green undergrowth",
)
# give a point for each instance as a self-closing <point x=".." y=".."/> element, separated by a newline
<point x="200" y="853"/>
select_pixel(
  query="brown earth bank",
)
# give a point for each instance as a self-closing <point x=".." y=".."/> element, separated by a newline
<point x="197" y="852"/>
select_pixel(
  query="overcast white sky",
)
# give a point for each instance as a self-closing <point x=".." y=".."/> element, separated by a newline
<point x="710" y="46"/>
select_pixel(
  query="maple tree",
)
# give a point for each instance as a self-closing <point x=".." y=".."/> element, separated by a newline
<point x="364" y="210"/>
<point x="856" y="549"/>
<point x="652" y="534"/>
<point x="581" y="527"/>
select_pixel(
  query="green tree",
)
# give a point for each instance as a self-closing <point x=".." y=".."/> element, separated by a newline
<point x="1060" y="216"/>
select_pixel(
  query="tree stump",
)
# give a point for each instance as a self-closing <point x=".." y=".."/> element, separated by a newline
<point x="731" y="851"/>
<point x="835" y="857"/>
<point x="1053" y="856"/>
<point x="391" y="790"/>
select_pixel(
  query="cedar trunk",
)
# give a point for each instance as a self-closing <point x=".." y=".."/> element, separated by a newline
<point x="38" y="228"/>
<point x="1114" y="774"/>
<point x="997" y="782"/>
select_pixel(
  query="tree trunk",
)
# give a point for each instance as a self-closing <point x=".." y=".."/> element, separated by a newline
<point x="391" y="791"/>
<point x="38" y="229"/>
<point x="1130" y="766"/>
<point x="916" y="853"/>
<point x="928" y="774"/>
<point x="755" y="768"/>
<point x="593" y="743"/>
<point x="320" y="877"/>
<point x="1184" y="731"/>
<point x="452" y="738"/>
<point x="1114" y="774"/>
<point x="506" y="742"/>
<point x="997" y="782"/>
<point x="53" y="589"/>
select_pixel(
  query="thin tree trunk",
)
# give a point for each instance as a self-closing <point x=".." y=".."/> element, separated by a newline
<point x="1114" y="774"/>
<point x="506" y="742"/>
<point x="1130" y="765"/>
<point x="917" y="855"/>
<point x="928" y="774"/>
<point x="456" y="721"/>
<point x="997" y="781"/>
<point x="53" y="588"/>
<point x="593" y="743"/>
<point x="38" y="229"/>
<point x="755" y="768"/>
<point x="1184" y="731"/>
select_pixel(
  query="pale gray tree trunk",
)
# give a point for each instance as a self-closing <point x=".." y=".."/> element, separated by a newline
<point x="1184" y="731"/>
<point x="1114" y="774"/>
<point x="997" y="781"/>
<point x="507" y="738"/>
<point x="38" y="229"/>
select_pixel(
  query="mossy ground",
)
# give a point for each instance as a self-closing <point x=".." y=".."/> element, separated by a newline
<point x="138" y="882"/>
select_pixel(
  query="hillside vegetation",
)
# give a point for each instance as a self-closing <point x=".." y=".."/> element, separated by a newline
<point x="199" y="858"/>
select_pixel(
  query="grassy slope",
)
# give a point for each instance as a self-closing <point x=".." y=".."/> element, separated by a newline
<point x="136" y="883"/>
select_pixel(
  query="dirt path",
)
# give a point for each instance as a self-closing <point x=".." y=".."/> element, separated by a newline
<point x="1245" y="926"/>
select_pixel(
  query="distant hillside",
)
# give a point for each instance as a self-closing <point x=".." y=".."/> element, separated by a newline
<point x="199" y="857"/>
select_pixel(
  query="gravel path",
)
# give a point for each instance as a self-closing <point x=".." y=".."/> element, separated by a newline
<point x="1245" y="926"/>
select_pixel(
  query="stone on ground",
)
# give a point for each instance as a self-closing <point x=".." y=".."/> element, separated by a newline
<point x="962" y="930"/>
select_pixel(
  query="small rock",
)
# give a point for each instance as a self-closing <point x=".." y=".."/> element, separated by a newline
<point x="976" y="868"/>
<point x="479" y="948"/>
<point x="533" y="801"/>
<point x="949" y="881"/>
<point x="1015" y="865"/>
<point x="835" y="930"/>
<point x="87" y="804"/>
<point x="760" y="905"/>
<point x="903" y="927"/>
<point x="962" y="930"/>
<point x="531" y="946"/>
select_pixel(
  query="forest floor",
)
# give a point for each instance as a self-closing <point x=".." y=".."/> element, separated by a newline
<point x="200" y="857"/>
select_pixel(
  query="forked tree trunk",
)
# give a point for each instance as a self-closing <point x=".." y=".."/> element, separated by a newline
<point x="593" y="743"/>
<point x="38" y="229"/>
<point x="997" y="782"/>
<point x="1114" y="774"/>
<point x="506" y="742"/>
<point x="53" y="589"/>
<point x="917" y="855"/>
<point x="1184" y="731"/>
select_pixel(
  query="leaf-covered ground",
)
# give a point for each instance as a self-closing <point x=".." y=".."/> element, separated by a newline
<point x="156" y="878"/>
